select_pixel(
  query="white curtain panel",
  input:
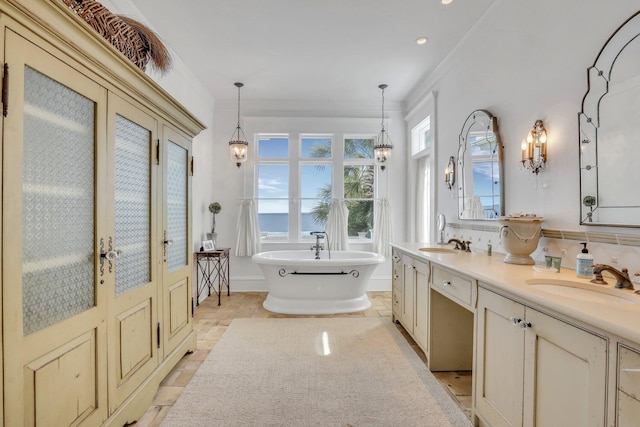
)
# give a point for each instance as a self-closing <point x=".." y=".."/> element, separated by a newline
<point x="382" y="228"/>
<point x="337" y="234"/>
<point x="248" y="230"/>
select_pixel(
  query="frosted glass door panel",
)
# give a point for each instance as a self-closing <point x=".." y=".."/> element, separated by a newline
<point x="132" y="185"/>
<point x="177" y="206"/>
<point x="57" y="202"/>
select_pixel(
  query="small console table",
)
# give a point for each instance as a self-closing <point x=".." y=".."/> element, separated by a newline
<point x="212" y="268"/>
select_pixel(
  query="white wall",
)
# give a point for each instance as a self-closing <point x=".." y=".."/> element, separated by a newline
<point x="525" y="61"/>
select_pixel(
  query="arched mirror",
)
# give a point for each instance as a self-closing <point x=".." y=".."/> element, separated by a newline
<point x="610" y="134"/>
<point x="479" y="173"/>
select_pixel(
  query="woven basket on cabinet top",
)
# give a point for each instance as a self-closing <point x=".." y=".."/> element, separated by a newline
<point x="130" y="37"/>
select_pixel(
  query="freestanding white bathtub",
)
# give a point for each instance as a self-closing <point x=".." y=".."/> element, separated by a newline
<point x="300" y="284"/>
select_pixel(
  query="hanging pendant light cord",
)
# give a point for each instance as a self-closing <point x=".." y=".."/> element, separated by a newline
<point x="238" y="111"/>
<point x="382" y="115"/>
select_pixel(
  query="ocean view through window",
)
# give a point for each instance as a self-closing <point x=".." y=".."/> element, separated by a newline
<point x="296" y="182"/>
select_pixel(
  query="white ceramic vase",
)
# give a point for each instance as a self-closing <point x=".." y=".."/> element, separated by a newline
<point x="519" y="237"/>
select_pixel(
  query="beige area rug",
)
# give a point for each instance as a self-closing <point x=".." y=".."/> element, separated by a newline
<point x="314" y="372"/>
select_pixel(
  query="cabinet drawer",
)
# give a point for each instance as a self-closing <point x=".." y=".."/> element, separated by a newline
<point x="629" y="371"/>
<point x="451" y="284"/>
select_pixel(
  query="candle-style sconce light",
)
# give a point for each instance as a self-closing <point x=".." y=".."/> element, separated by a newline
<point x="534" y="148"/>
<point x="450" y="173"/>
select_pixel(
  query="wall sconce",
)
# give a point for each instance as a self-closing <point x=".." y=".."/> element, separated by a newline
<point x="238" y="145"/>
<point x="450" y="173"/>
<point x="534" y="148"/>
<point x="382" y="148"/>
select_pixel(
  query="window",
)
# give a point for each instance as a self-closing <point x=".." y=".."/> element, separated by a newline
<point x="421" y="137"/>
<point x="358" y="188"/>
<point x="297" y="181"/>
<point x="273" y="185"/>
<point x="421" y="152"/>
<point x="315" y="183"/>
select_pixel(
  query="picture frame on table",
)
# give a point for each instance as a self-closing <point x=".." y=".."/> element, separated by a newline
<point x="207" y="245"/>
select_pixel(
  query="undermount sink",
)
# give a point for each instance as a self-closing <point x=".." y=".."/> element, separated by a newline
<point x="584" y="291"/>
<point x="439" y="250"/>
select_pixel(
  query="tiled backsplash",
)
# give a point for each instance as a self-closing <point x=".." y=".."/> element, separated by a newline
<point x="618" y="250"/>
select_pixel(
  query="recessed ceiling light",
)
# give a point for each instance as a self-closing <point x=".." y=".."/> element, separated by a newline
<point x="446" y="1"/>
<point x="422" y="40"/>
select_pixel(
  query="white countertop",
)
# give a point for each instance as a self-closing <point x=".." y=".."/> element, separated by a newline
<point x="619" y="319"/>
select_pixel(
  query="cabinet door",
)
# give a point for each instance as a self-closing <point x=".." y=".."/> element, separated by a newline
<point x="54" y="201"/>
<point x="499" y="363"/>
<point x="133" y="290"/>
<point x="421" y="306"/>
<point x="565" y="374"/>
<point x="397" y="273"/>
<point x="175" y="244"/>
<point x="408" y="292"/>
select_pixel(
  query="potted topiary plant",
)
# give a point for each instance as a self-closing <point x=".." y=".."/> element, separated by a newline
<point x="215" y="209"/>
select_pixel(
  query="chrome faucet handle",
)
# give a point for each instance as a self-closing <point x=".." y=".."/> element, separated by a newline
<point x="467" y="246"/>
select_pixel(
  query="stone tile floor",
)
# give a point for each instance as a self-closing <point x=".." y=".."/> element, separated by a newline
<point x="210" y="321"/>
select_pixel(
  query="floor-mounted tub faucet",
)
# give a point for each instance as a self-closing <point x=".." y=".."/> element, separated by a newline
<point x="318" y="247"/>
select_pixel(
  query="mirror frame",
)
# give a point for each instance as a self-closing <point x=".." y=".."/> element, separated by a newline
<point x="589" y="116"/>
<point x="490" y="123"/>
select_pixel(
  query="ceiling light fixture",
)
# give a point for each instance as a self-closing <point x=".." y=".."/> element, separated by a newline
<point x="382" y="148"/>
<point x="238" y="145"/>
<point x="446" y="1"/>
<point x="422" y="40"/>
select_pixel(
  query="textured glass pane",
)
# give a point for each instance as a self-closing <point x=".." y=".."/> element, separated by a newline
<point x="132" y="205"/>
<point x="177" y="206"/>
<point x="57" y="202"/>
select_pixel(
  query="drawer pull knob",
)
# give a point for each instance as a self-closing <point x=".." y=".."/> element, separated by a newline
<point x="446" y="283"/>
<point x="396" y="258"/>
<point x="515" y="320"/>
<point x="396" y="277"/>
<point x="525" y="325"/>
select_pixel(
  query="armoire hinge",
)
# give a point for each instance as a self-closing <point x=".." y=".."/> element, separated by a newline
<point x="157" y="151"/>
<point x="5" y="90"/>
<point x="158" y="334"/>
<point x="191" y="165"/>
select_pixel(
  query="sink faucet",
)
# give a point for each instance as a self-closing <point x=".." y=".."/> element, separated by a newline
<point x="318" y="247"/>
<point x="462" y="245"/>
<point x="622" y="277"/>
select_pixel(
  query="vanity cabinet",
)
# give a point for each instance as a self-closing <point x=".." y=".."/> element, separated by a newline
<point x="535" y="369"/>
<point x="96" y="306"/>
<point x="628" y="390"/>
<point x="397" y="275"/>
<point x="411" y="296"/>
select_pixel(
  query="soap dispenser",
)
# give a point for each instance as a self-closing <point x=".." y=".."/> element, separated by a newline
<point x="584" y="262"/>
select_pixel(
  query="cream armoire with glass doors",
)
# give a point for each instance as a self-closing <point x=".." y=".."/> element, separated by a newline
<point x="96" y="247"/>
